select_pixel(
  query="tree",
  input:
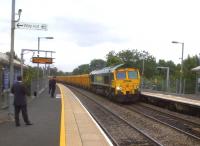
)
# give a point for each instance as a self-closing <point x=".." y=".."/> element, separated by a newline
<point x="112" y="59"/>
<point x="134" y="58"/>
<point x="82" y="69"/>
<point x="150" y="66"/>
<point x="60" y="73"/>
<point x="53" y="71"/>
<point x="188" y="75"/>
<point x="160" y="75"/>
<point x="30" y="73"/>
<point x="170" y="64"/>
<point x="15" y="56"/>
<point x="126" y="56"/>
<point x="149" y="63"/>
<point x="96" y="64"/>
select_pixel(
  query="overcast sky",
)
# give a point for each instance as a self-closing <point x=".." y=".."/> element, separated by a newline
<point x="88" y="29"/>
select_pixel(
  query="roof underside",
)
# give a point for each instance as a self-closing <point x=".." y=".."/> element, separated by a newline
<point x="5" y="59"/>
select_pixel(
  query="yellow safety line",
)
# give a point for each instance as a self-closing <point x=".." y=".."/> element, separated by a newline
<point x="62" y="122"/>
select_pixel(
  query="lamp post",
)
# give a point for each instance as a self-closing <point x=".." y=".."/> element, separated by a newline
<point x="143" y="58"/>
<point x="167" y="79"/>
<point x="181" y="75"/>
<point x="13" y="21"/>
<point x="38" y="63"/>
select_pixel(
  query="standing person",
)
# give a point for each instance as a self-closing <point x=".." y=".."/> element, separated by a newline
<point x="53" y="86"/>
<point x="50" y="80"/>
<point x="20" y="101"/>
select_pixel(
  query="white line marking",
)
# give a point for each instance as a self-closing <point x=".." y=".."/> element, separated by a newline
<point x="58" y="95"/>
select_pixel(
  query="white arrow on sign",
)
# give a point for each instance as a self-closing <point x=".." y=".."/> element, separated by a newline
<point x="31" y="26"/>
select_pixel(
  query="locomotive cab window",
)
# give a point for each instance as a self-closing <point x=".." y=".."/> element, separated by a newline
<point x="121" y="75"/>
<point x="132" y="75"/>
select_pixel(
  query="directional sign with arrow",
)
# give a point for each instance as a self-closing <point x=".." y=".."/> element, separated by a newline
<point x="31" y="26"/>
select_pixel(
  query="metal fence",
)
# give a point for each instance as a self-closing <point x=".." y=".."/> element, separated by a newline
<point x="42" y="84"/>
<point x="4" y="95"/>
<point x="173" y="86"/>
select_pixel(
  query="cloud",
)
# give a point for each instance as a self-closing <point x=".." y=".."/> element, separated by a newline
<point x="86" y="33"/>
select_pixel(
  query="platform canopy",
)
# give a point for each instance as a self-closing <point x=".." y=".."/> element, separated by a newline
<point x="4" y="59"/>
<point x="197" y="69"/>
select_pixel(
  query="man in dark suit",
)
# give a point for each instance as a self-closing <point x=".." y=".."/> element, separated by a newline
<point x="53" y="86"/>
<point x="50" y="80"/>
<point x="20" y="101"/>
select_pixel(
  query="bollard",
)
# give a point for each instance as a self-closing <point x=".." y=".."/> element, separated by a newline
<point x="35" y="93"/>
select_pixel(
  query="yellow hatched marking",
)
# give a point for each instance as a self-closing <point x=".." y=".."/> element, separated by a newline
<point x="62" y="123"/>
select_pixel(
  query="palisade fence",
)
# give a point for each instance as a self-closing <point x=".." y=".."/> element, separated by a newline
<point x="188" y="87"/>
<point x="4" y="95"/>
<point x="43" y="83"/>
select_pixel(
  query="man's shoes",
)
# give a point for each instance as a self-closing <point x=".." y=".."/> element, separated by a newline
<point x="29" y="124"/>
<point x="17" y="125"/>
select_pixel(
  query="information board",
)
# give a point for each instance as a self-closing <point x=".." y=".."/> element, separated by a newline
<point x="42" y="60"/>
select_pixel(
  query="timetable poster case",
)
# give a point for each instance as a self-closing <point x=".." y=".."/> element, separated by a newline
<point x="16" y="74"/>
<point x="6" y="80"/>
<point x="6" y="77"/>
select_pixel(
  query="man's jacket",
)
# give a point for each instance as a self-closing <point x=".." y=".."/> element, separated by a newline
<point x="19" y="91"/>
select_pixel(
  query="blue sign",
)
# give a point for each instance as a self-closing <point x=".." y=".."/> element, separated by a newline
<point x="17" y="73"/>
<point x="6" y="78"/>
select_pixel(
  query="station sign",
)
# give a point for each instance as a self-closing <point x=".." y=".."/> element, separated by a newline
<point x="31" y="26"/>
<point x="42" y="60"/>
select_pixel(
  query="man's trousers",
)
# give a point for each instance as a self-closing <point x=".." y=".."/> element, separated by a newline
<point x="23" y="108"/>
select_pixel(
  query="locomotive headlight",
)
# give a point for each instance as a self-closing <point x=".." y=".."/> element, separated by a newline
<point x="119" y="88"/>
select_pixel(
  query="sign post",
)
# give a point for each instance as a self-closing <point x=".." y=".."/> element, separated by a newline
<point x="31" y="26"/>
<point x="38" y="60"/>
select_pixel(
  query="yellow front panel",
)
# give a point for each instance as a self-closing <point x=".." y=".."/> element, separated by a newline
<point x="126" y="85"/>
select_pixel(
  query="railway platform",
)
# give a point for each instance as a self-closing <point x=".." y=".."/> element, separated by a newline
<point x="59" y="121"/>
<point x="185" y="99"/>
<point x="78" y="127"/>
<point x="186" y="104"/>
<point x="44" y="113"/>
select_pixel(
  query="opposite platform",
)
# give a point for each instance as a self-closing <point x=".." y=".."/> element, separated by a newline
<point x="79" y="128"/>
<point x="176" y="98"/>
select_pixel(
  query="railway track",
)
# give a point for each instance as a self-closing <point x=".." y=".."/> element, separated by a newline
<point x="180" y="124"/>
<point x="129" y="135"/>
<point x="126" y="136"/>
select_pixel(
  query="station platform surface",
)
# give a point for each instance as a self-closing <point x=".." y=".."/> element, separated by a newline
<point x="44" y="113"/>
<point x="186" y="99"/>
<point x="59" y="121"/>
<point x="79" y="127"/>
